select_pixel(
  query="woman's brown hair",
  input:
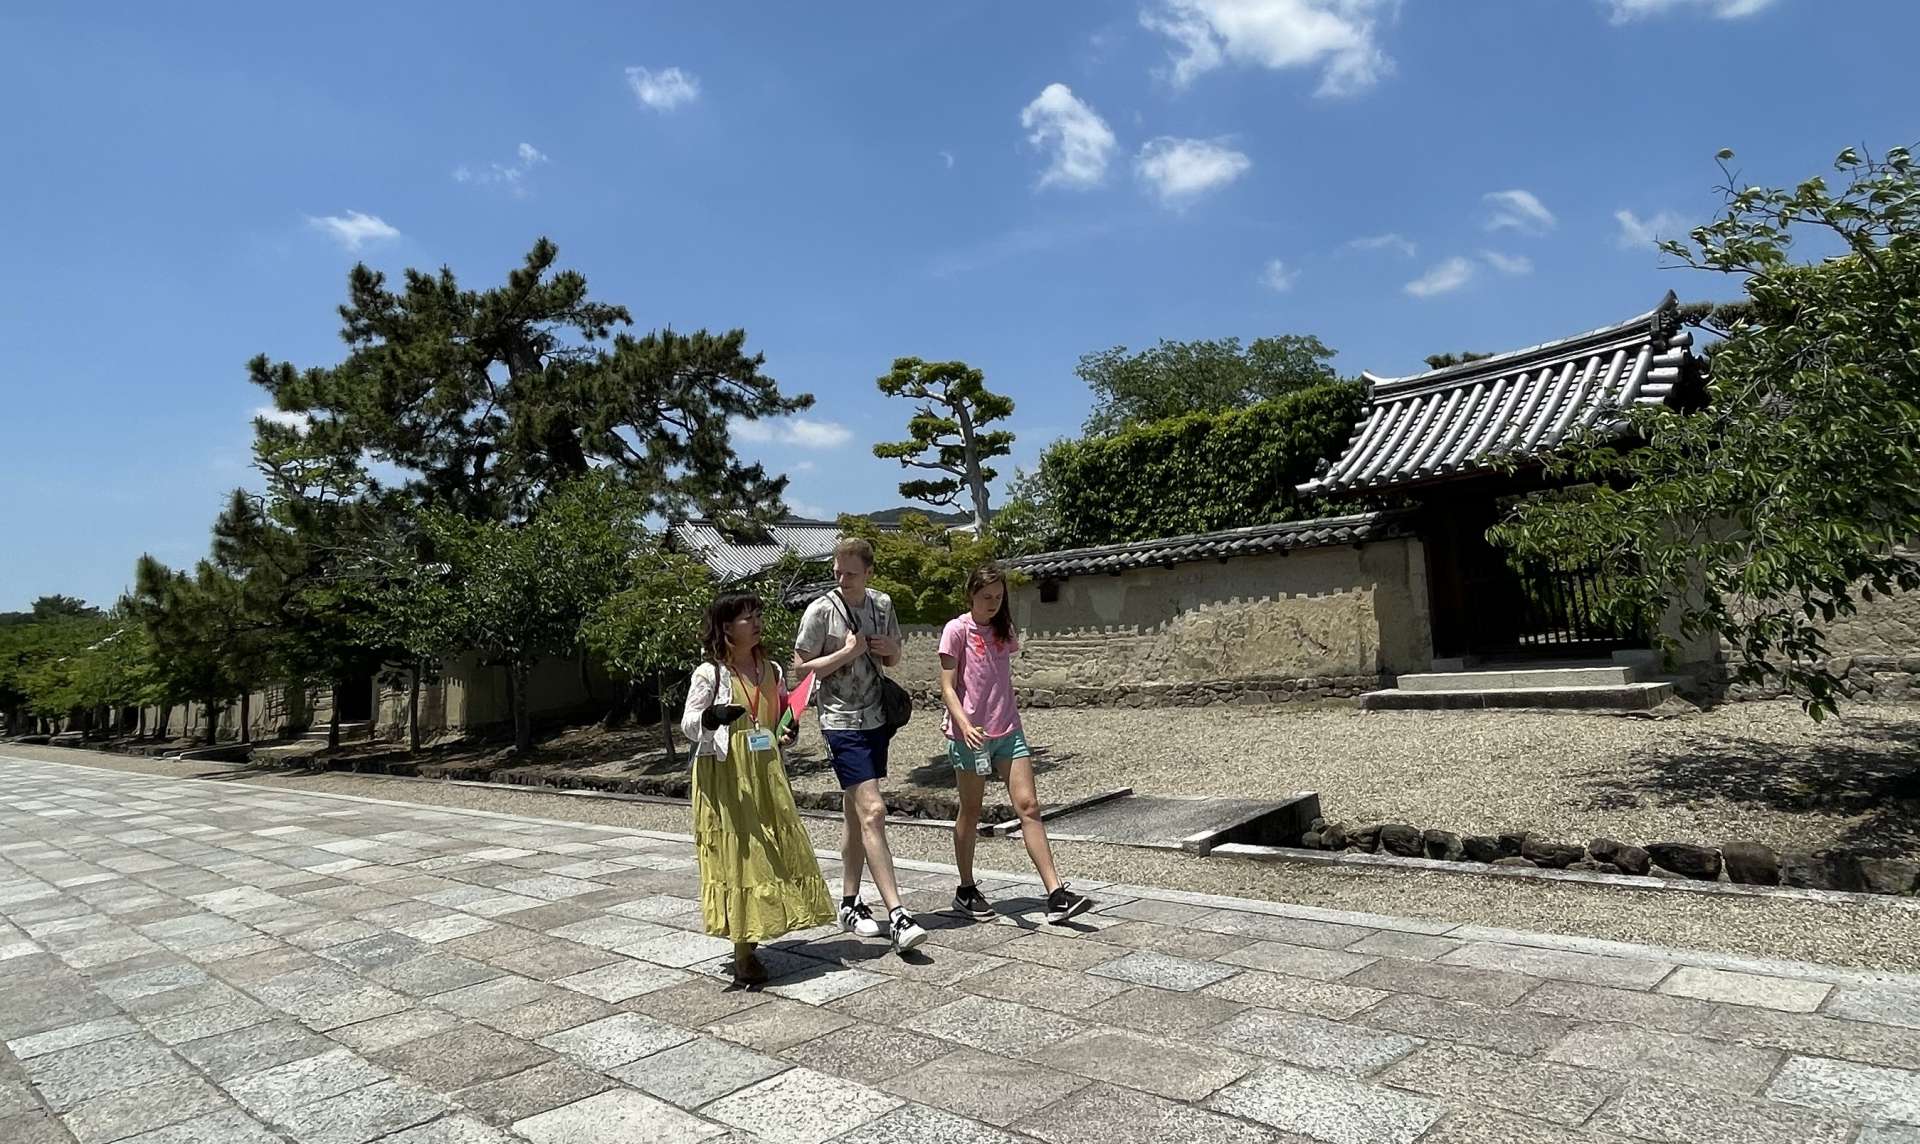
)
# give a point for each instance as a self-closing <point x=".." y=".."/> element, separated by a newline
<point x="729" y="607"/>
<point x="986" y="576"/>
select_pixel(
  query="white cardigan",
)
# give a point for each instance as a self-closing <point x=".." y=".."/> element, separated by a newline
<point x="711" y="680"/>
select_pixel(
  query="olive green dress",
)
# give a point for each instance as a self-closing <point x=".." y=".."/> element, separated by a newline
<point x="759" y="878"/>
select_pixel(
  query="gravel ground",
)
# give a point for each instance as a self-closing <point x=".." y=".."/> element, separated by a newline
<point x="1864" y="935"/>
<point x="1758" y="771"/>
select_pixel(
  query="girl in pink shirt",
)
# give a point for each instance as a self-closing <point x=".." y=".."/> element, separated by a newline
<point x="984" y="738"/>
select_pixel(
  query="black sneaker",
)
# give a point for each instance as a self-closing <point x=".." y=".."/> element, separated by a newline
<point x="970" y="901"/>
<point x="1064" y="903"/>
<point x="907" y="933"/>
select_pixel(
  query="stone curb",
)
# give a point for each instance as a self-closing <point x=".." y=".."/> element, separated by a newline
<point x="1486" y="869"/>
<point x="1458" y="930"/>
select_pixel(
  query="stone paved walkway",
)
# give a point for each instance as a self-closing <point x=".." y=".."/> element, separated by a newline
<point x="190" y="963"/>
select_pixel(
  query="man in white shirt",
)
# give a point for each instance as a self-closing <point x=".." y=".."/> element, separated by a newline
<point x="845" y="637"/>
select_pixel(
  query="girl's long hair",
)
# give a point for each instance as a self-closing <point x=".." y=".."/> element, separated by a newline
<point x="729" y="607"/>
<point x="986" y="576"/>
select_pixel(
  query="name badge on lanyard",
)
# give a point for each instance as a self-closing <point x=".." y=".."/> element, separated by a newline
<point x="758" y="740"/>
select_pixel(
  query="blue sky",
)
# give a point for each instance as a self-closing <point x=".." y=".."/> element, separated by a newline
<point x="1012" y="184"/>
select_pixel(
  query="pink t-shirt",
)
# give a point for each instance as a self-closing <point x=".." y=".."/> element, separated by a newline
<point x="984" y="679"/>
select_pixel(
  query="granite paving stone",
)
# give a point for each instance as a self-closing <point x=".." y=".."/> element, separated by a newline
<point x="67" y="1077"/>
<point x="1103" y="1114"/>
<point x="1277" y="991"/>
<point x="774" y="1024"/>
<point x="275" y="1090"/>
<point x="1627" y="1006"/>
<point x="1456" y="983"/>
<point x="1314" y="1042"/>
<point x="1163" y="971"/>
<point x="362" y="1115"/>
<point x="1880" y="1006"/>
<point x="1558" y="1093"/>
<point x="1782" y="993"/>
<point x="801" y="1106"/>
<point x="617" y="1114"/>
<point x="131" y="1111"/>
<point x="984" y="1086"/>
<point x="865" y="1052"/>
<point x="705" y="1069"/>
<point x="1327" y="1108"/>
<point x="1506" y="1030"/>
<point x="1866" y="1091"/>
<point x="460" y="1057"/>
<point x="1163" y="1066"/>
<point x="185" y="963"/>
<point x="994" y="1026"/>
<point x="532" y="1091"/>
<point x="1659" y="1110"/>
<point x="616" y="1040"/>
<point x="228" y="1127"/>
<point x="1811" y="1034"/>
<point x="1162" y="1011"/>
<point x="1623" y="1049"/>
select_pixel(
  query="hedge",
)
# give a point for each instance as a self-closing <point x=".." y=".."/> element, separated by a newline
<point x="1202" y="472"/>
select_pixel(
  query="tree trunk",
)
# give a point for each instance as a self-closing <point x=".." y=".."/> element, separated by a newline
<point x="413" y="710"/>
<point x="166" y="717"/>
<point x="517" y="672"/>
<point x="213" y="722"/>
<point x="976" y="485"/>
<point x="140" y="731"/>
<point x="246" y="716"/>
<point x="333" y="721"/>
<point x="666" y="719"/>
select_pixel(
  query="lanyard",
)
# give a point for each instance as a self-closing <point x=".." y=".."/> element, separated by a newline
<point x="753" y="697"/>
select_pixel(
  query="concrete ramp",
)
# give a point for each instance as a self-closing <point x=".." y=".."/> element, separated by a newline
<point x="1193" y="823"/>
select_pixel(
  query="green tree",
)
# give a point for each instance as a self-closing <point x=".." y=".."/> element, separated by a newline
<point x="1173" y="379"/>
<point x="1442" y="361"/>
<point x="1790" y="497"/>
<point x="205" y="644"/>
<point x="650" y="630"/>
<point x="923" y="566"/>
<point x="521" y="590"/>
<point x="947" y="432"/>
<point x="483" y="399"/>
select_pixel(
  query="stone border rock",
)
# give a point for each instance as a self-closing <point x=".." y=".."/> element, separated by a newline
<point x="1741" y="862"/>
<point x="1238" y="692"/>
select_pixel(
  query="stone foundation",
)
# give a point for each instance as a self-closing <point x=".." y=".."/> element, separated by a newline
<point x="1235" y="692"/>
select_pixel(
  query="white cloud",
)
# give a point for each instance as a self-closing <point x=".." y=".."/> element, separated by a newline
<point x="1278" y="276"/>
<point x="353" y="229"/>
<point x="947" y="157"/>
<point x="1508" y="263"/>
<point x="1080" y="141"/>
<point x="802" y="432"/>
<point x="1626" y="11"/>
<point x="804" y="466"/>
<point x="807" y="510"/>
<point x="1518" y="210"/>
<point x="1444" y="278"/>
<point x="280" y="417"/>
<point x="1180" y="169"/>
<point x="1337" y="35"/>
<point x="1385" y="242"/>
<point x="511" y="176"/>
<point x="1636" y="231"/>
<point x="663" y="90"/>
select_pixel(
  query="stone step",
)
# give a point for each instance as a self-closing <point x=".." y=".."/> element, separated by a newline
<point x="1508" y="679"/>
<point x="1619" y="697"/>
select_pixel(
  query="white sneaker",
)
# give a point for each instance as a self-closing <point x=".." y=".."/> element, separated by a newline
<point x="858" y="920"/>
<point x="907" y="933"/>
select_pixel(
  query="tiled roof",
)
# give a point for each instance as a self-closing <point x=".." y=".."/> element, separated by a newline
<point x="1215" y="545"/>
<point x="1445" y="422"/>
<point x="731" y="559"/>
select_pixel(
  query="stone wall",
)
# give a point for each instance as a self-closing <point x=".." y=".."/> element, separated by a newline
<point x="1320" y="623"/>
<point x="1875" y="652"/>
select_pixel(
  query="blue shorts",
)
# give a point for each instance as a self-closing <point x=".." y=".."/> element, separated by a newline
<point x="997" y="749"/>
<point x="858" y="755"/>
